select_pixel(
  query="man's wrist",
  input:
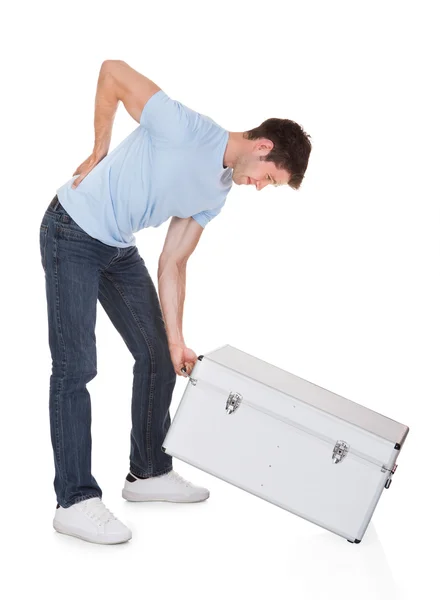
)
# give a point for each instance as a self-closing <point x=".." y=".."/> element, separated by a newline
<point x="175" y="342"/>
<point x="100" y="149"/>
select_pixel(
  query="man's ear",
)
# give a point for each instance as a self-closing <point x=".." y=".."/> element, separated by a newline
<point x="264" y="146"/>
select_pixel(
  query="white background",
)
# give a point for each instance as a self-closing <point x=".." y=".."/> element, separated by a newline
<point x="336" y="282"/>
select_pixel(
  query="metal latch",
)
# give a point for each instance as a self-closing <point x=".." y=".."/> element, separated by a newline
<point x="233" y="402"/>
<point x="340" y="451"/>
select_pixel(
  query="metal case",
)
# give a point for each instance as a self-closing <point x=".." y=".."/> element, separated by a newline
<point x="295" y="444"/>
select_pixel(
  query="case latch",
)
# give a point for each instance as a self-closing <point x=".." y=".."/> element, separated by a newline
<point x="233" y="402"/>
<point x="340" y="451"/>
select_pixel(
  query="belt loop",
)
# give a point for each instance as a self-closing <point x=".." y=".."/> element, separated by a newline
<point x="54" y="203"/>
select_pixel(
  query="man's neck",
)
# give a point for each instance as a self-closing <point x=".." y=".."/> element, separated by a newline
<point x="234" y="148"/>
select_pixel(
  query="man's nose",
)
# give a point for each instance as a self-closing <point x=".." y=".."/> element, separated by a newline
<point x="261" y="184"/>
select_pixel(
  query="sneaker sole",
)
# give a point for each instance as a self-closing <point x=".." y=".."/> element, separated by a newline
<point x="134" y="497"/>
<point x="65" y="531"/>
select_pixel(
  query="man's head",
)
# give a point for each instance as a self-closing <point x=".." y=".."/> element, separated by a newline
<point x="276" y="152"/>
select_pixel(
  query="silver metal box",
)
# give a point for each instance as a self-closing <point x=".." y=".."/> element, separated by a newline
<point x="295" y="444"/>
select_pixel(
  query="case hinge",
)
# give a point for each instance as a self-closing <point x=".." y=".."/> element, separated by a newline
<point x="389" y="480"/>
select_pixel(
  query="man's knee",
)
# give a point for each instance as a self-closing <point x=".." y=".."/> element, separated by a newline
<point x="72" y="371"/>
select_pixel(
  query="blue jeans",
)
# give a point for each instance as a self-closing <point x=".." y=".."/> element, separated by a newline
<point x="79" y="270"/>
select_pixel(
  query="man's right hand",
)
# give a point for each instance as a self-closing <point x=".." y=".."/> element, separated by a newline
<point x="84" y="168"/>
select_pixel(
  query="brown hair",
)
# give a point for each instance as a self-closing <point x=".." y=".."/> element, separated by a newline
<point x="291" y="148"/>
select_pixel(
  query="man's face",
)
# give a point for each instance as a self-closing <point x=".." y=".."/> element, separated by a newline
<point x="250" y="170"/>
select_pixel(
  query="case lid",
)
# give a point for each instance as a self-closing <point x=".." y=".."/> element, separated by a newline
<point x="310" y="393"/>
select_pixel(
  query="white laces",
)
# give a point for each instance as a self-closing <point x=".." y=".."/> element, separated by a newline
<point x="179" y="479"/>
<point x="97" y="510"/>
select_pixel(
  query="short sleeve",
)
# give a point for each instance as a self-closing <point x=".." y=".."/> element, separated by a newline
<point x="205" y="216"/>
<point x="167" y="119"/>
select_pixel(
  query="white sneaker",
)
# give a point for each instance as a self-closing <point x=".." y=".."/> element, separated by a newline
<point x="91" y="520"/>
<point x="170" y="487"/>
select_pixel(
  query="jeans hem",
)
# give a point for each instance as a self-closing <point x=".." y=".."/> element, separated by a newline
<point x="136" y="473"/>
<point x="80" y="499"/>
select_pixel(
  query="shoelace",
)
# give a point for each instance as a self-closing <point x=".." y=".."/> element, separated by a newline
<point x="179" y="478"/>
<point x="97" y="510"/>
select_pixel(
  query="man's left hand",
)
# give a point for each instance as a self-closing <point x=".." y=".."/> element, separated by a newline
<point x="182" y="356"/>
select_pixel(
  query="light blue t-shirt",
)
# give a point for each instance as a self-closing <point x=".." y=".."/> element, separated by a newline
<point x="170" y="165"/>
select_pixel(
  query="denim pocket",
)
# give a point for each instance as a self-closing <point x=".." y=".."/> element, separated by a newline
<point x="72" y="231"/>
<point x="43" y="243"/>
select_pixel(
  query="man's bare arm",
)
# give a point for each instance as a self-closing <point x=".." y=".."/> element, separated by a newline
<point x="118" y="81"/>
<point x="180" y="242"/>
<point x="106" y="104"/>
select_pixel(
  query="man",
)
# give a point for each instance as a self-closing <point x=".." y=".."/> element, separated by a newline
<point x="180" y="164"/>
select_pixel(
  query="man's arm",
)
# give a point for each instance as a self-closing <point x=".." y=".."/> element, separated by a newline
<point x="180" y="242"/>
<point x="117" y="81"/>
